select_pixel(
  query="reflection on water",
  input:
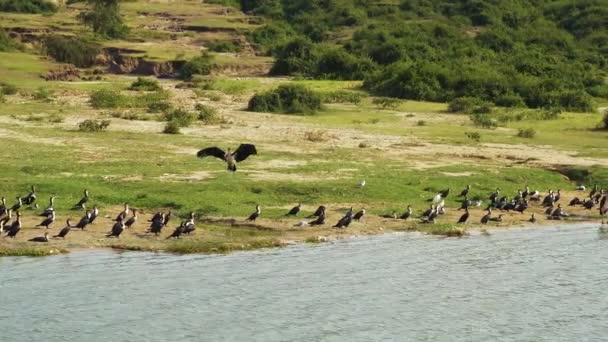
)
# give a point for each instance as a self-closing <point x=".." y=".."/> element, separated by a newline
<point x="524" y="285"/>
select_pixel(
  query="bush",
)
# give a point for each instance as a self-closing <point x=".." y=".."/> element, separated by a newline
<point x="484" y="108"/>
<point x="93" y="125"/>
<point x="172" y="127"/>
<point x="223" y="46"/>
<point x="287" y="98"/>
<point x="463" y="105"/>
<point x="528" y="133"/>
<point x="6" y="43"/>
<point x="179" y="116"/>
<point x="343" y="96"/>
<point x="200" y="65"/>
<point x="510" y="101"/>
<point x="104" y="19"/>
<point x="145" y="84"/>
<point x="159" y="107"/>
<point x="43" y="94"/>
<point x="27" y="6"/>
<point x="207" y="114"/>
<point x="8" y="89"/>
<point x="386" y="102"/>
<point x="75" y="51"/>
<point x="483" y="121"/>
<point x="106" y="99"/>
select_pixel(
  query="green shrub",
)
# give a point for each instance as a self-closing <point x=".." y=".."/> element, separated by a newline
<point x="223" y="46"/>
<point x="463" y="105"/>
<point x="484" y="108"/>
<point x="180" y="116"/>
<point x="172" y="127"/>
<point x="343" y="96"/>
<point x="27" y="6"/>
<point x="386" y="102"/>
<point x="200" y="65"/>
<point x="43" y="94"/>
<point x="8" y="89"/>
<point x="287" y="98"/>
<point x="483" y="121"/>
<point x="528" y="133"/>
<point x="104" y="19"/>
<point x="207" y="114"/>
<point x="475" y="136"/>
<point x="93" y="125"/>
<point x="159" y="107"/>
<point x="6" y="43"/>
<point x="75" y="51"/>
<point x="106" y="99"/>
<point x="510" y="101"/>
<point x="145" y="84"/>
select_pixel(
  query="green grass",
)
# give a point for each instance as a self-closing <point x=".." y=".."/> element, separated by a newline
<point x="30" y="251"/>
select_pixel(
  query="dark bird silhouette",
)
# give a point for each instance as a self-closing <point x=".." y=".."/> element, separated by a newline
<point x="494" y="196"/>
<point x="486" y="217"/>
<point x="464" y="217"/>
<point x="30" y="198"/>
<point x="532" y="219"/>
<point x="231" y="158"/>
<point x="48" y="210"/>
<point x="575" y="201"/>
<point x="117" y="229"/>
<point x="178" y="231"/>
<point x="189" y="226"/>
<point x="156" y="226"/>
<point x="465" y="203"/>
<point x="83" y="201"/>
<point x="3" y="208"/>
<point x="48" y="221"/>
<point x="589" y="204"/>
<point x="359" y="215"/>
<point x="320" y="217"/>
<point x="393" y="215"/>
<point x="522" y="206"/>
<point x="345" y="220"/>
<point x="255" y="214"/>
<point x="156" y="217"/>
<point x="320" y="209"/>
<point x="17" y="205"/>
<point x="94" y="214"/>
<point x="407" y="214"/>
<point x="294" y="211"/>
<point x="14" y="228"/>
<point x="84" y="221"/>
<point x="132" y="220"/>
<point x="445" y="193"/>
<point x="65" y="230"/>
<point x="44" y="238"/>
<point x="123" y="214"/>
<point x="465" y="192"/>
<point x="496" y="219"/>
<point x="167" y="218"/>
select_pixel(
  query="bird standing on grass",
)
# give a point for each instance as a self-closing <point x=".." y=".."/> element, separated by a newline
<point x="294" y="211"/>
<point x="189" y="226"/>
<point x="407" y="214"/>
<point x="465" y="192"/>
<point x="359" y="215"/>
<point x="50" y="208"/>
<point x="31" y="197"/>
<point x="83" y="201"/>
<point x="132" y="220"/>
<point x="255" y="214"/>
<point x="231" y="158"/>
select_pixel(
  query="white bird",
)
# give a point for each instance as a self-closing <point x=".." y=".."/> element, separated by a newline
<point x="437" y="199"/>
<point x="581" y="188"/>
<point x="476" y="203"/>
<point x="302" y="224"/>
<point x="362" y="183"/>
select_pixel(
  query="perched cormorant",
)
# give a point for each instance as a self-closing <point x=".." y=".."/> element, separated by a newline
<point x="549" y="199"/>
<point x="494" y="196"/>
<point x="345" y="220"/>
<point x="428" y="211"/>
<point x="14" y="228"/>
<point x="17" y="205"/>
<point x="255" y="214"/>
<point x="589" y="204"/>
<point x="117" y="229"/>
<point x="6" y="219"/>
<point x="48" y="221"/>
<point x="465" y="192"/>
<point x="359" y="215"/>
<point x="407" y="214"/>
<point x="575" y="201"/>
<point x="167" y="218"/>
<point x="464" y="217"/>
<point x="84" y="221"/>
<point x="445" y="193"/>
<point x="231" y="158"/>
<point x="393" y="215"/>
<point x="94" y="214"/>
<point x="522" y="206"/>
<point x="557" y="196"/>
<point x="295" y="210"/>
<point x="44" y="238"/>
<point x="178" y="231"/>
<point x="526" y="192"/>
<point x="532" y="219"/>
<point x="3" y="208"/>
<point x="320" y="217"/>
<point x="31" y="197"/>
<point x="486" y="217"/>
<point x="124" y="213"/>
<point x="549" y="210"/>
<point x="156" y="217"/>
<point x="496" y="219"/>
<point x="320" y="209"/>
<point x="189" y="226"/>
<point x="50" y="208"/>
<point x="465" y="203"/>
<point x="83" y="201"/>
<point x="65" y="230"/>
<point x="157" y="225"/>
<point x="131" y="221"/>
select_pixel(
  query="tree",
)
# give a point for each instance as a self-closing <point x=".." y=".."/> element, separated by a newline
<point x="104" y="18"/>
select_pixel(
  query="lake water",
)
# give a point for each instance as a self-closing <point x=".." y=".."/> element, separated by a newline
<point x="547" y="284"/>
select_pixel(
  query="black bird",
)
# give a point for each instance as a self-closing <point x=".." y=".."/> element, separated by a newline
<point x="549" y="210"/>
<point x="389" y="216"/>
<point x="494" y="196"/>
<point x="594" y="191"/>
<point x="50" y="208"/>
<point x="189" y="227"/>
<point x="604" y="205"/>
<point x="445" y="193"/>
<point x="178" y="231"/>
<point x="464" y="217"/>
<point x="231" y="158"/>
<point x="84" y="221"/>
<point x="320" y="209"/>
<point x="465" y="192"/>
<point x="428" y="211"/>
<point x="345" y="220"/>
<point x="17" y="205"/>
<point x="14" y="228"/>
<point x="123" y="214"/>
<point x="522" y="206"/>
<point x="167" y="218"/>
<point x="132" y="220"/>
<point x="526" y="192"/>
<point x="94" y="214"/>
<point x="255" y="214"/>
<point x="465" y="203"/>
<point x="407" y="214"/>
<point x="557" y="196"/>
<point x="83" y="201"/>
<point x="65" y="230"/>
<point x="294" y="211"/>
<point x="48" y="221"/>
<point x="320" y="217"/>
<point x="156" y="217"/>
<point x="358" y="216"/>
<point x="157" y="225"/>
<point x="117" y="229"/>
<point x="5" y="220"/>
<point x="486" y="217"/>
<point x="549" y="199"/>
<point x="589" y="204"/>
<point x="575" y="201"/>
<point x="44" y="238"/>
<point x="31" y="197"/>
<point x="532" y="219"/>
<point x="496" y="219"/>
<point x="3" y="208"/>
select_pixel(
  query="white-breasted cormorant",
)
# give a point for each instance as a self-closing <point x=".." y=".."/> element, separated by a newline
<point x="83" y="201"/>
<point x="17" y="205"/>
<point x="486" y="217"/>
<point x="30" y="198"/>
<point x="44" y="238"/>
<point x="124" y="213"/>
<point x="84" y="221"/>
<point x="255" y="214"/>
<point x="48" y="221"/>
<point x="231" y="158"/>
<point x="14" y="228"/>
<point x="50" y="209"/>
<point x="407" y="214"/>
<point x="132" y="220"/>
<point x="465" y="192"/>
<point x="295" y="210"/>
<point x="94" y="214"/>
<point x="117" y="229"/>
<point x="359" y="215"/>
<point x="189" y="226"/>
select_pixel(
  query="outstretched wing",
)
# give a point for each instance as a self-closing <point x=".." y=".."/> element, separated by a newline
<point x="244" y="151"/>
<point x="211" y="151"/>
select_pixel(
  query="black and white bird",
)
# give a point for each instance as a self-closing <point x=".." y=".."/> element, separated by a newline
<point x="167" y="218"/>
<point x="407" y="214"/>
<point x="158" y="222"/>
<point x="320" y="210"/>
<point x="178" y="231"/>
<point x="84" y="221"/>
<point x="345" y="220"/>
<point x="132" y="220"/>
<point x="465" y="192"/>
<point x="464" y="217"/>
<point x="320" y="217"/>
<point x="83" y="201"/>
<point x="17" y="205"/>
<point x="359" y="215"/>
<point x="30" y="198"/>
<point x="486" y="218"/>
<point x="231" y="158"/>
<point x="50" y="209"/>
<point x="14" y="228"/>
<point x="44" y="238"/>
<point x="65" y="230"/>
<point x="189" y="227"/>
<point x="255" y="214"/>
<point x="48" y="221"/>
<point x="94" y="214"/>
<point x="117" y="229"/>
<point x="294" y="211"/>
<point x="124" y="213"/>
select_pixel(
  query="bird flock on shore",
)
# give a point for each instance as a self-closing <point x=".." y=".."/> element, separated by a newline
<point x="11" y="224"/>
